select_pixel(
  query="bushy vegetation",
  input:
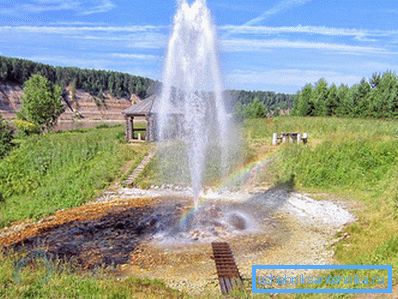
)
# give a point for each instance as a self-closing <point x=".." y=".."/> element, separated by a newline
<point x="274" y="102"/>
<point x="25" y="128"/>
<point x="376" y="98"/>
<point x="41" y="103"/>
<point x="61" y="170"/>
<point x="353" y="159"/>
<point x="36" y="281"/>
<point x="92" y="81"/>
<point x="255" y="109"/>
<point x="6" y="136"/>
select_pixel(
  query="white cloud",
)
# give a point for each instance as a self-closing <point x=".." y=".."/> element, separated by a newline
<point x="278" y="8"/>
<point x="135" y="56"/>
<point x="359" y="34"/>
<point x="155" y="37"/>
<point x="78" y="29"/>
<point x="38" y="6"/>
<point x="249" y="45"/>
<point x="102" y="6"/>
<point x="78" y="6"/>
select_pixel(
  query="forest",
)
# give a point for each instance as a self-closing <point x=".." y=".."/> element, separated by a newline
<point x="119" y="84"/>
<point x="376" y="97"/>
<point x="273" y="102"/>
<point x="93" y="81"/>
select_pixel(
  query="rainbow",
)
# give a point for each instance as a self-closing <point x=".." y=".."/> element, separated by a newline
<point x="244" y="173"/>
<point x="237" y="177"/>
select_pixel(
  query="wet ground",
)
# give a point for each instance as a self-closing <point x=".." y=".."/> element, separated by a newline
<point x="162" y="237"/>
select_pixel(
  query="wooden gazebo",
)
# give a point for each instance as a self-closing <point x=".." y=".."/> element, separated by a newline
<point x="148" y="110"/>
<point x="144" y="110"/>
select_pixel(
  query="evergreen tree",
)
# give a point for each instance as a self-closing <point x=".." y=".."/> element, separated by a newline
<point x="255" y="109"/>
<point x="332" y="101"/>
<point x="384" y="98"/>
<point x="319" y="98"/>
<point x="360" y="99"/>
<point x="303" y="103"/>
<point x="346" y="106"/>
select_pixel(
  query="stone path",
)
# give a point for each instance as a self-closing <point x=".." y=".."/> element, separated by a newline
<point x="138" y="170"/>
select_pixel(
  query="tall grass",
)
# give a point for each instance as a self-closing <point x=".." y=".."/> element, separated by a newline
<point x="353" y="159"/>
<point x="321" y="128"/>
<point x="61" y="170"/>
<point x="36" y="281"/>
<point x="361" y="164"/>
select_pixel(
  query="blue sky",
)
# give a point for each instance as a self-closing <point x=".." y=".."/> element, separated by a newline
<point x="274" y="45"/>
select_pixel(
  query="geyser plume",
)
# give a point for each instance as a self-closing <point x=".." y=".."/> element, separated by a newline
<point x="191" y="107"/>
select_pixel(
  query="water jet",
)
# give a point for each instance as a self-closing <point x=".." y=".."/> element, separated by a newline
<point x="192" y="81"/>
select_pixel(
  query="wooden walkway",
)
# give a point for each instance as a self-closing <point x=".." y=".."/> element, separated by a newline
<point x="129" y="182"/>
<point x="227" y="271"/>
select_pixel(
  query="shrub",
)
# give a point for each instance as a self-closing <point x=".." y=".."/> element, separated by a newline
<point x="255" y="109"/>
<point x="6" y="136"/>
<point x="41" y="102"/>
<point x="26" y="128"/>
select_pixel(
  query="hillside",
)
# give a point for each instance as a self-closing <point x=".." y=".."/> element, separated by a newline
<point x="95" y="96"/>
<point x="84" y="111"/>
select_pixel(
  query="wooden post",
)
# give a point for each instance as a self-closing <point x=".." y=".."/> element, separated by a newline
<point x="284" y="138"/>
<point x="148" y="128"/>
<point x="305" y="137"/>
<point x="128" y="128"/>
<point x="132" y="128"/>
<point x="139" y="136"/>
<point x="299" y="138"/>
<point x="275" y="139"/>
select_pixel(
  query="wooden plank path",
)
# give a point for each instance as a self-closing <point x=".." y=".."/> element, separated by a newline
<point x="227" y="271"/>
<point x="129" y="182"/>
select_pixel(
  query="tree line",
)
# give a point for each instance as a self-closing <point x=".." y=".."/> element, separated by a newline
<point x="266" y="102"/>
<point x="93" y="81"/>
<point x="119" y="84"/>
<point x="375" y="97"/>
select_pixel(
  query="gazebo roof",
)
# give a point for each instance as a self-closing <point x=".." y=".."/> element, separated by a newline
<point x="150" y="106"/>
<point x="143" y="108"/>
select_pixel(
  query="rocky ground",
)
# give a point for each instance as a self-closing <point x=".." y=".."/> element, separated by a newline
<point x="155" y="234"/>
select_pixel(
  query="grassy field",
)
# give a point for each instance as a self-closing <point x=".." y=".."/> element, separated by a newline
<point x="347" y="159"/>
<point x="351" y="159"/>
<point x="61" y="170"/>
<point x="44" y="281"/>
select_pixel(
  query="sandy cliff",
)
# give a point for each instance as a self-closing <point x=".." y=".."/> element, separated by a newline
<point x="81" y="110"/>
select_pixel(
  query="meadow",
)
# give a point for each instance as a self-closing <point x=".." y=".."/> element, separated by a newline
<point x="62" y="170"/>
<point x="354" y="160"/>
<point x="351" y="160"/>
<point x="62" y="281"/>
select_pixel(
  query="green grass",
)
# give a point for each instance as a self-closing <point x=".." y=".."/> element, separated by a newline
<point x="352" y="159"/>
<point x="37" y="281"/>
<point x="171" y="166"/>
<point x="61" y="170"/>
<point x="321" y="129"/>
